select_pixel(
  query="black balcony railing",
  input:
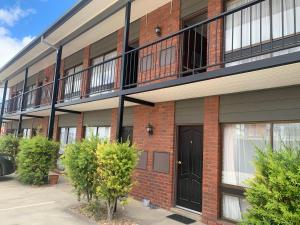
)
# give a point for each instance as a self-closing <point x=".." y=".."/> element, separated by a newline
<point x="97" y="79"/>
<point x="256" y="30"/>
<point x="37" y="97"/>
<point x="13" y="104"/>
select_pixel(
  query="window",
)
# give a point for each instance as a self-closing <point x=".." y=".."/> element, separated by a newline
<point x="286" y="134"/>
<point x="146" y="63"/>
<point x="72" y="84"/>
<point x="256" y="31"/>
<point x="30" y="97"/>
<point x="67" y="136"/>
<point x="239" y="142"/>
<point x="167" y="56"/>
<point x="101" y="132"/>
<point x="103" y="74"/>
<point x="27" y="133"/>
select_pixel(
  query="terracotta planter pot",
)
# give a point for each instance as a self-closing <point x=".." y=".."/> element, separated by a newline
<point x="53" y="179"/>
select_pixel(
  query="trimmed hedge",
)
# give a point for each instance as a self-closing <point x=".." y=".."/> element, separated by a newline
<point x="274" y="192"/>
<point x="35" y="159"/>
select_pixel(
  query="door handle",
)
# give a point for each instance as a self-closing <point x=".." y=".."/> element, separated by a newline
<point x="179" y="162"/>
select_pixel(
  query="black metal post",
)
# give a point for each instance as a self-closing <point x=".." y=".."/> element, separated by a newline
<point x="54" y="93"/>
<point x="18" y="133"/>
<point x="3" y="104"/>
<point x="24" y="89"/>
<point x="123" y="70"/>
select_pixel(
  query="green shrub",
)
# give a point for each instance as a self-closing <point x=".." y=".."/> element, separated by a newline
<point x="9" y="145"/>
<point x="116" y="162"/>
<point x="80" y="163"/>
<point x="274" y="192"/>
<point x="36" y="157"/>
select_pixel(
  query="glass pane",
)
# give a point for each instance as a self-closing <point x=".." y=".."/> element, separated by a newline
<point x="62" y="139"/>
<point x="287" y="134"/>
<point x="72" y="135"/>
<point x="104" y="132"/>
<point x="167" y="56"/>
<point x="239" y="142"/>
<point x="233" y="207"/>
<point x="90" y="131"/>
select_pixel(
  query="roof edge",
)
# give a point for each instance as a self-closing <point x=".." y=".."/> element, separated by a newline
<point x="76" y="8"/>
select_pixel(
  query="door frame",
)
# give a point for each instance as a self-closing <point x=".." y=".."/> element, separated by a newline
<point x="176" y="149"/>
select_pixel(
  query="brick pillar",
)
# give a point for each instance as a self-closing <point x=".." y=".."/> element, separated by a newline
<point x="56" y="129"/>
<point x="211" y="161"/>
<point x="113" y="129"/>
<point x="85" y="82"/>
<point x="80" y="127"/>
<point x="61" y="84"/>
<point x="215" y="35"/>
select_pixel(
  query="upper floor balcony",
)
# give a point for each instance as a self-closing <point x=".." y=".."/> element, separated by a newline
<point x="251" y="38"/>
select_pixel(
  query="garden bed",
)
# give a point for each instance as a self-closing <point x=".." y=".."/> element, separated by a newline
<point x="97" y="213"/>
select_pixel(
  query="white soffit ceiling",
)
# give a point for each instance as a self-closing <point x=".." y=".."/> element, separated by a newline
<point x="282" y="76"/>
<point x="106" y="27"/>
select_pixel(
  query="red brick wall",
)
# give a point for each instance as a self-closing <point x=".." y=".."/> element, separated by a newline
<point x="212" y="170"/>
<point x="167" y="18"/>
<point x="158" y="187"/>
<point x="211" y="161"/>
<point x="56" y="129"/>
<point x="80" y="128"/>
<point x="113" y="129"/>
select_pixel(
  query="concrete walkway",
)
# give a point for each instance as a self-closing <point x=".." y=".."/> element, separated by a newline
<point x="50" y="205"/>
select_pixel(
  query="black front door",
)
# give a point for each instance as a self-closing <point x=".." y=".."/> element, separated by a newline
<point x="189" y="167"/>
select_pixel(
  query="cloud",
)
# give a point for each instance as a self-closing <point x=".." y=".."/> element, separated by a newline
<point x="12" y="15"/>
<point x="11" y="46"/>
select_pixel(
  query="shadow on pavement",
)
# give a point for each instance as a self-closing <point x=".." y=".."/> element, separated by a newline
<point x="6" y="178"/>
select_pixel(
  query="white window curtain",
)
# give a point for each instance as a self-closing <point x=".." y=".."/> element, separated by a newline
<point x="286" y="134"/>
<point x="248" y="33"/>
<point x="239" y="143"/>
<point x="90" y="132"/>
<point x="233" y="207"/>
<point x="102" y="133"/>
<point x="103" y="74"/>
<point x="73" y="83"/>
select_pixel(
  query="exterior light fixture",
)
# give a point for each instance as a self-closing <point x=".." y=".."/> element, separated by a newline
<point x="158" y="31"/>
<point x="149" y="129"/>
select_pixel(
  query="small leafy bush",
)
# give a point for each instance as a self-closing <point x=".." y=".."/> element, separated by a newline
<point x="274" y="192"/>
<point x="35" y="159"/>
<point x="9" y="145"/>
<point x="80" y="163"/>
<point x="116" y="162"/>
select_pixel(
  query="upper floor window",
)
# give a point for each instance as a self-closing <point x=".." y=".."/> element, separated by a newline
<point x="103" y="73"/>
<point x="254" y="25"/>
<point x="167" y="56"/>
<point x="30" y="96"/>
<point x="72" y="82"/>
<point x="146" y="62"/>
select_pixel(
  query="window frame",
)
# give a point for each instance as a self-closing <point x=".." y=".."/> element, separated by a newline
<point x="99" y="87"/>
<point x="172" y="56"/>
<point x="235" y="190"/>
<point x="70" y="81"/>
<point x="97" y="130"/>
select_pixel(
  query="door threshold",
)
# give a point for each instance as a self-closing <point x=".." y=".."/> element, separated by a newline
<point x="188" y="210"/>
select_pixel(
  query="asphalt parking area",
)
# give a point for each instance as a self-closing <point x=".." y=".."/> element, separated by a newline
<point x="30" y="205"/>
